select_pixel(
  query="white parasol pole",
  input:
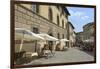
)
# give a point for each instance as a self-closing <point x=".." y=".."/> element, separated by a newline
<point x="21" y="45"/>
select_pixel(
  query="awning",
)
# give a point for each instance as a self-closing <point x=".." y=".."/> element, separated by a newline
<point x="48" y="37"/>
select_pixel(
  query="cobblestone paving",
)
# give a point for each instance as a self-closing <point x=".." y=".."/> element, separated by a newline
<point x="71" y="55"/>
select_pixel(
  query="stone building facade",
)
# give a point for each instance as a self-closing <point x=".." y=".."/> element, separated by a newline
<point x="49" y="19"/>
<point x="71" y="34"/>
<point x="79" y="36"/>
<point x="88" y="31"/>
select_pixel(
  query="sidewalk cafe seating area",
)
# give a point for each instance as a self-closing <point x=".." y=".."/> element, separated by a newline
<point x="22" y="56"/>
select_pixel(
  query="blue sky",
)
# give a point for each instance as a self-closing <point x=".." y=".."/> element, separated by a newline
<point x="80" y="16"/>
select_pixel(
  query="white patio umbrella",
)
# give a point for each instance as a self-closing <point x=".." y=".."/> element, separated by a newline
<point x="86" y="40"/>
<point x="89" y="40"/>
<point x="65" y="40"/>
<point x="24" y="34"/>
<point x="48" y="37"/>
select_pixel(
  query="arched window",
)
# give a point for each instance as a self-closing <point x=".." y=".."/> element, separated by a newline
<point x="63" y="36"/>
<point x="63" y="23"/>
<point x="57" y="20"/>
<point x="50" y="14"/>
<point x="37" y="8"/>
<point x="34" y="8"/>
<point x="58" y="35"/>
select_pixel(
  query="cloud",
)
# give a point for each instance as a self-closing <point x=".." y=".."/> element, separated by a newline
<point x="76" y="13"/>
<point x="85" y="17"/>
<point x="79" y="15"/>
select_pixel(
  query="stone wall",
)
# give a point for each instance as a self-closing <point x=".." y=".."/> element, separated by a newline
<point x="25" y="18"/>
<point x="28" y="20"/>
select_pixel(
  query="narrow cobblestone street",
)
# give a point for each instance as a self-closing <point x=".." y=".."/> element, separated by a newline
<point x="71" y="55"/>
